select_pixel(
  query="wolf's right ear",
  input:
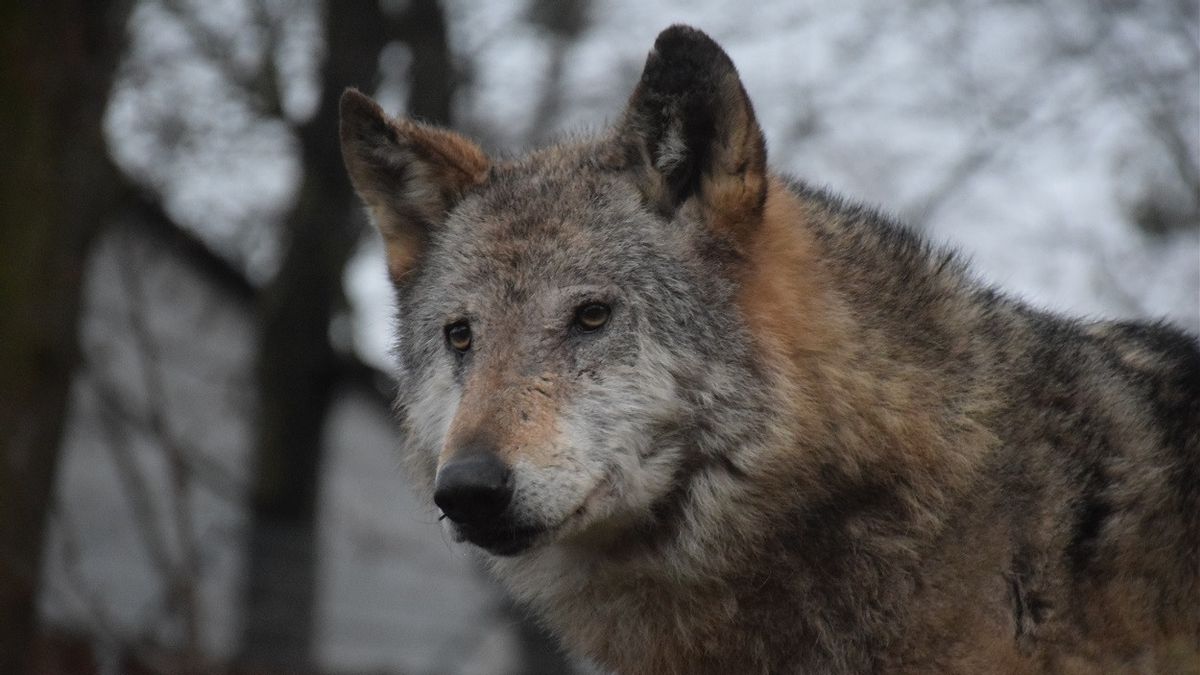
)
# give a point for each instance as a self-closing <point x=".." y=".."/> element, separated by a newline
<point x="410" y="175"/>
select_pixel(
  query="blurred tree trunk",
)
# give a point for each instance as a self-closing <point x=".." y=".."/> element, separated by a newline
<point x="432" y="78"/>
<point x="297" y="363"/>
<point x="57" y="185"/>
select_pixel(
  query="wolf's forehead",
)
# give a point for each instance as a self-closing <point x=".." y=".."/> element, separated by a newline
<point x="516" y="263"/>
<point x="544" y="225"/>
<point x="536" y="194"/>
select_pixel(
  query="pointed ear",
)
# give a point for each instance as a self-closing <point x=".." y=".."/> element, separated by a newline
<point x="690" y="132"/>
<point x="409" y="175"/>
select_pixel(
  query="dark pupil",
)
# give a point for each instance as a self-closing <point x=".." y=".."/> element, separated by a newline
<point x="459" y="336"/>
<point x="593" y="316"/>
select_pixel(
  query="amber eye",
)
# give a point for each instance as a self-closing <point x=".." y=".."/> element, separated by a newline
<point x="458" y="336"/>
<point x="592" y="316"/>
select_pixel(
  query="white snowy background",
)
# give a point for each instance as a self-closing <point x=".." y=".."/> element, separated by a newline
<point x="1041" y="139"/>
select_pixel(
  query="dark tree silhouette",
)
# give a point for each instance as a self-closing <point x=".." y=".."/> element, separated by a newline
<point x="297" y="364"/>
<point x="57" y="186"/>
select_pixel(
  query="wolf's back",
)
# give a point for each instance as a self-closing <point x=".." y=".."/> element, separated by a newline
<point x="1092" y="475"/>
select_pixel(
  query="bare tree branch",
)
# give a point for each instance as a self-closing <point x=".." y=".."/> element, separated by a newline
<point x="182" y="580"/>
<point x="259" y="86"/>
<point x="217" y="479"/>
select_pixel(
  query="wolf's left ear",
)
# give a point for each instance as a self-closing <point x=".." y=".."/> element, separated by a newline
<point x="690" y="132"/>
<point x="410" y="175"/>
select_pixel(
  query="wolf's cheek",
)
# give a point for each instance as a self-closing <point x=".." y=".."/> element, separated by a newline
<point x="428" y="416"/>
<point x="613" y="430"/>
<point x="548" y="495"/>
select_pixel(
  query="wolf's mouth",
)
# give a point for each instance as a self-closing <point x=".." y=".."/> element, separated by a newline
<point x="501" y="537"/>
<point x="502" y="540"/>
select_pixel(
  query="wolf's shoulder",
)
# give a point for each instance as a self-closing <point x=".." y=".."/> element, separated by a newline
<point x="1160" y="358"/>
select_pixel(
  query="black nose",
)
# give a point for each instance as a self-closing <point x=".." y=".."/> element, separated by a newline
<point x="473" y="489"/>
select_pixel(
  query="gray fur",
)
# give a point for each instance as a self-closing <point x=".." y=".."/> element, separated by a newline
<point x="901" y="471"/>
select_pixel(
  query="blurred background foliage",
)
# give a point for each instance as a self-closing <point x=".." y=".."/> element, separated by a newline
<point x="198" y="462"/>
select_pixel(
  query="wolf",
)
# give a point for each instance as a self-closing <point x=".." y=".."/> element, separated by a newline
<point x="701" y="417"/>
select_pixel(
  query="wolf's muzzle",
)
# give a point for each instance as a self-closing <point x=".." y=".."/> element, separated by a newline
<point x="473" y="489"/>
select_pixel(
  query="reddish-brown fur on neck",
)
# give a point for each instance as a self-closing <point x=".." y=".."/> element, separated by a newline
<point x="784" y="300"/>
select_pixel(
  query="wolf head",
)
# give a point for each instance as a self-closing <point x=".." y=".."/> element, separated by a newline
<point x="571" y="349"/>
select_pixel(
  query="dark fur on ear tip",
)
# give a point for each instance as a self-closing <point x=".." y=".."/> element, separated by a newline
<point x="687" y="106"/>
<point x="683" y="59"/>
<point x="361" y="118"/>
<point x="353" y="99"/>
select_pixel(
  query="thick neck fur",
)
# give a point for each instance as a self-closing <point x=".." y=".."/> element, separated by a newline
<point x="865" y="462"/>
